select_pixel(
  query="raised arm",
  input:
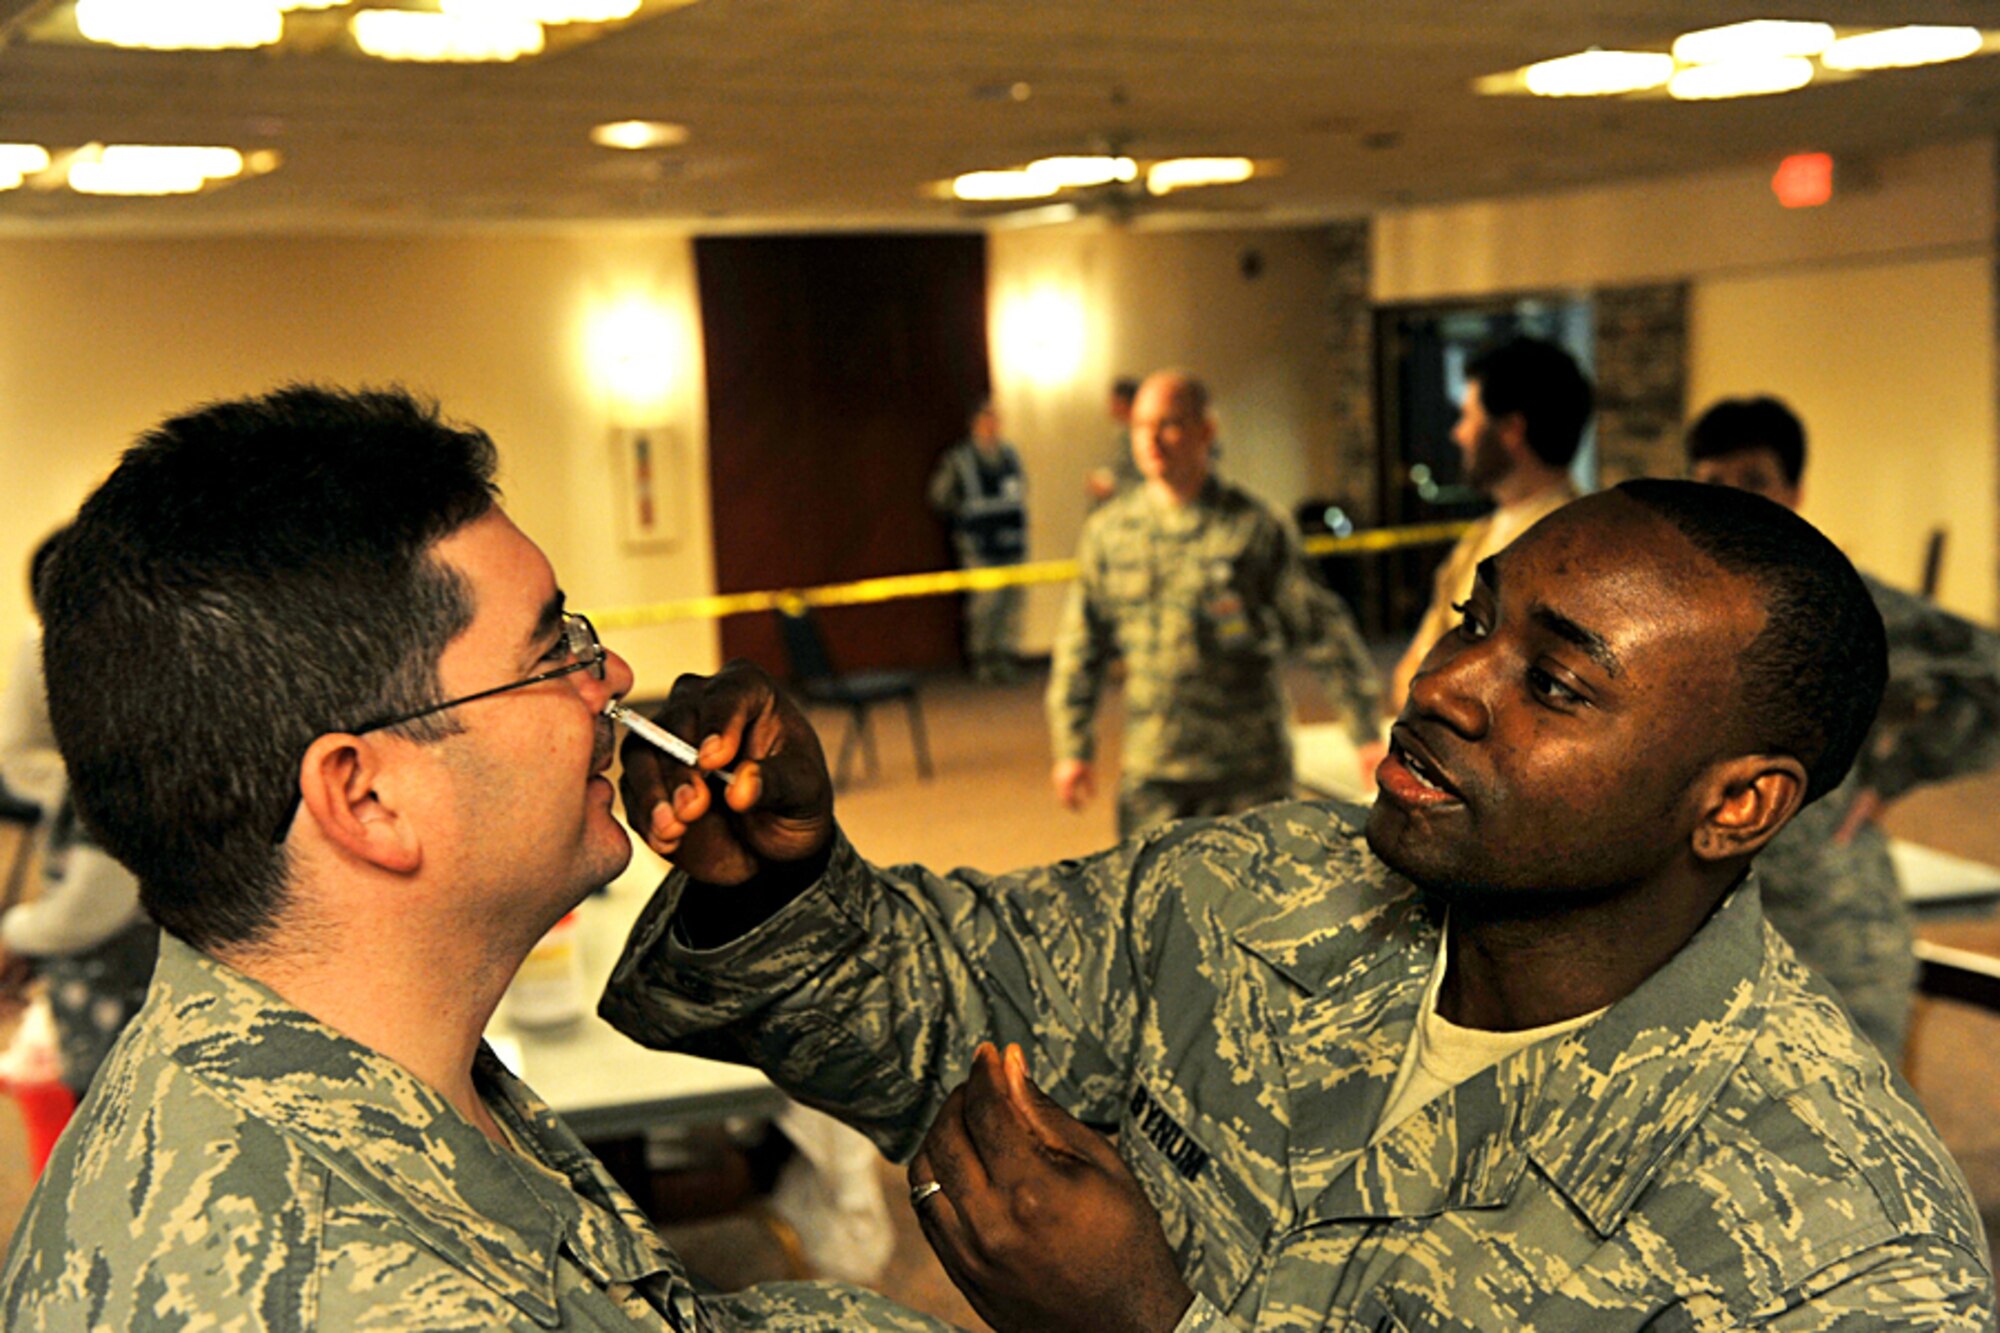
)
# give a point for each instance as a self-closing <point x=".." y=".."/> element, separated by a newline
<point x="862" y="990"/>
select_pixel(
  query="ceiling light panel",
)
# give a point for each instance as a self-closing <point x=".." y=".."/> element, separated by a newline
<point x="148" y="169"/>
<point x="1186" y="173"/>
<point x="194" y="25"/>
<point x="1075" y="172"/>
<point x="18" y="161"/>
<point x="1903" y="48"/>
<point x="994" y="186"/>
<point x="1598" y="73"/>
<point x="1740" y="78"/>
<point x="1757" y="39"/>
<point x="401" y="34"/>
<point x="23" y="158"/>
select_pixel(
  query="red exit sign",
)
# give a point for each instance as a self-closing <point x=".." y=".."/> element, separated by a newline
<point x="1804" y="180"/>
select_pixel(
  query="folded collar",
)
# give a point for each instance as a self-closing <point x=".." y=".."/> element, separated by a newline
<point x="1596" y="1109"/>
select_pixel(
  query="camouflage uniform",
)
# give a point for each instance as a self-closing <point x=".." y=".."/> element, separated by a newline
<point x="1718" y="1150"/>
<point x="240" y="1166"/>
<point x="1839" y="905"/>
<point x="1201" y="602"/>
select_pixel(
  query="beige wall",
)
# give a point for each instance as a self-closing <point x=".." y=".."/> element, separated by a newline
<point x="1074" y="307"/>
<point x="1874" y="315"/>
<point x="1682" y="226"/>
<point x="1890" y="365"/>
<point x="107" y="337"/>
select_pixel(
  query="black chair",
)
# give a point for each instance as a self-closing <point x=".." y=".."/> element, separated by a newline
<point x="817" y="682"/>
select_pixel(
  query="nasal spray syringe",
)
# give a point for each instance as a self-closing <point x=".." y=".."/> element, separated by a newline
<point x="662" y="739"/>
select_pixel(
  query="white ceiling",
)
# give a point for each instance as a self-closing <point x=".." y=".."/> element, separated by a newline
<point x="835" y="113"/>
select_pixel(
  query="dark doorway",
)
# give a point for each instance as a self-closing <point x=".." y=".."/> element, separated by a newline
<point x="1421" y="357"/>
<point x="839" y="368"/>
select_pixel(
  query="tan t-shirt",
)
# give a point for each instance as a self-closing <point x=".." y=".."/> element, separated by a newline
<point x="1443" y="1055"/>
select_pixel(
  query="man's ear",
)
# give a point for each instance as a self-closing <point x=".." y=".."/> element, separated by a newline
<point x="341" y="787"/>
<point x="1513" y="433"/>
<point x="1746" y="801"/>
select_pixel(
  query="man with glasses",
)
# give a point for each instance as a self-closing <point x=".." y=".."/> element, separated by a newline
<point x="325" y="700"/>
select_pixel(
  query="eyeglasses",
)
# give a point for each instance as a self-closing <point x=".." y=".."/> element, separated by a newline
<point x="579" y="643"/>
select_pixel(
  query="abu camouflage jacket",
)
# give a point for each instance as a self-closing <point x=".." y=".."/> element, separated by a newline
<point x="1718" y="1150"/>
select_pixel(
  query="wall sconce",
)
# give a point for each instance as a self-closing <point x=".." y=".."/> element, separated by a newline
<point x="635" y="348"/>
<point x="1039" y="334"/>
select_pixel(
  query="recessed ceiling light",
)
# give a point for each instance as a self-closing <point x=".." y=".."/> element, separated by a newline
<point x="1754" y="39"/>
<point x="197" y="25"/>
<point x="408" y="34"/>
<point x="1740" y="78"/>
<point x="1903" y="48"/>
<point x="1079" y="171"/>
<point x="1598" y="73"/>
<point x="1185" y="173"/>
<point x="636" y="134"/>
<point x="990" y="186"/>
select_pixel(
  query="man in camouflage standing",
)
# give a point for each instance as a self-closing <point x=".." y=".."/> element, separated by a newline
<point x="1523" y="1054"/>
<point x="1829" y="885"/>
<point x="325" y="700"/>
<point x="1201" y="591"/>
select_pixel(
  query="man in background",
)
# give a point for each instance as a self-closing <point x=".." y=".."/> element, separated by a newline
<point x="327" y="703"/>
<point x="1522" y="419"/>
<point x="981" y="488"/>
<point x="1117" y="473"/>
<point x="1830" y="886"/>
<point x="1201" y="591"/>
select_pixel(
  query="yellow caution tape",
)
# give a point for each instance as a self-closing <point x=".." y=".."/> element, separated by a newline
<point x="895" y="587"/>
<point x="1385" y="539"/>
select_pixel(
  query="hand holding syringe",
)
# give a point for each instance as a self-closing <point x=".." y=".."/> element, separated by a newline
<point x="662" y="739"/>
<point x="772" y="807"/>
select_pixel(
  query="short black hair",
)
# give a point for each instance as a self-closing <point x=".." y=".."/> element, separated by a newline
<point x="1736" y="424"/>
<point x="1542" y="382"/>
<point x="1810" y="682"/>
<point x="38" y="564"/>
<point x="253" y="574"/>
<point x="1125" y="387"/>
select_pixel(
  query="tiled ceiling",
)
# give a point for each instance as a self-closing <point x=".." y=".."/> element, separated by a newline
<point x="836" y="113"/>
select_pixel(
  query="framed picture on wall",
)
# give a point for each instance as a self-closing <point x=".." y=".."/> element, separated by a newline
<point x="648" y="461"/>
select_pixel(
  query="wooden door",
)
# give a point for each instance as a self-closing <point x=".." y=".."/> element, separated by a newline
<point x="839" y="368"/>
